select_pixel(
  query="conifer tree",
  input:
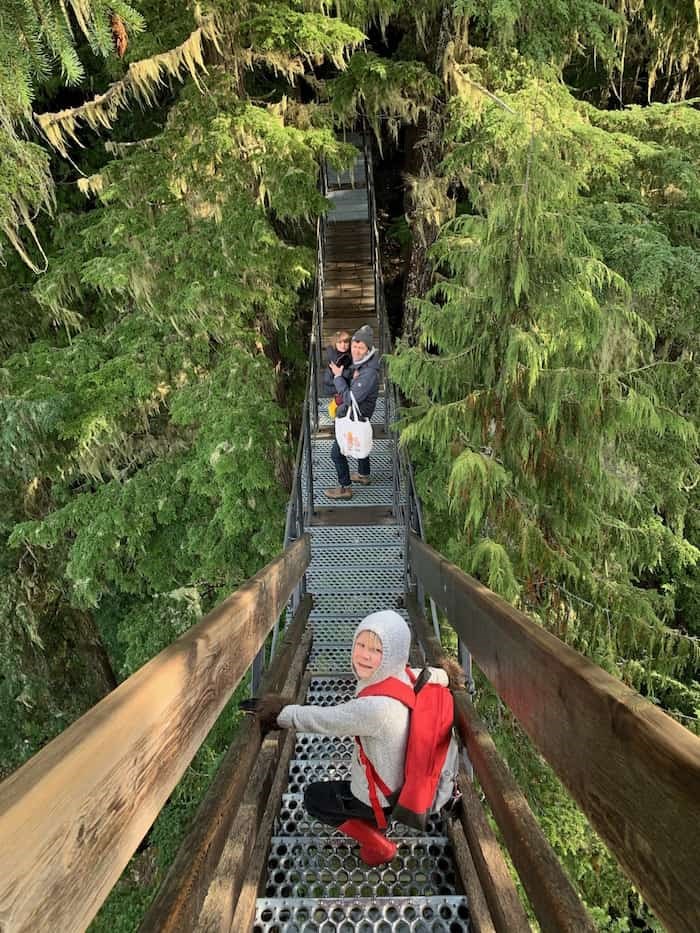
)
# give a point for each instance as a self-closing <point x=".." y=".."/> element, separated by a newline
<point x="142" y="379"/>
<point x="553" y="393"/>
<point x="532" y="378"/>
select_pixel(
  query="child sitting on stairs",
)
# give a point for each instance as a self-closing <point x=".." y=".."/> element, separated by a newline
<point x="380" y="650"/>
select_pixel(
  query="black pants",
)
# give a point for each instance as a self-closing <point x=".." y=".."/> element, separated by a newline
<point x="342" y="468"/>
<point x="331" y="802"/>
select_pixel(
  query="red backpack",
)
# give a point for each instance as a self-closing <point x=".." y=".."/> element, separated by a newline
<point x="430" y="730"/>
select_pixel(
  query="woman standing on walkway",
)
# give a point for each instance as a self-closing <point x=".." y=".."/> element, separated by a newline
<point x="363" y="382"/>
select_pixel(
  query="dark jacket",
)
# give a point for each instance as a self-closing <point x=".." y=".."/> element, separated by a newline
<point x="363" y="381"/>
<point x="340" y="358"/>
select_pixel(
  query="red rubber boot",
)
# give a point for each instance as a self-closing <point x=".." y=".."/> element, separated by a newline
<point x="375" y="848"/>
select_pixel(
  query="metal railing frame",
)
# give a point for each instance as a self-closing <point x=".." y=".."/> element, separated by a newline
<point x="299" y="515"/>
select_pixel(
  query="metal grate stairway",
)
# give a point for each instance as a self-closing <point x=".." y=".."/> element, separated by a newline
<point x="315" y="879"/>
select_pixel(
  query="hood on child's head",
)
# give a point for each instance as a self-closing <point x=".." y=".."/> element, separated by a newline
<point x="395" y="637"/>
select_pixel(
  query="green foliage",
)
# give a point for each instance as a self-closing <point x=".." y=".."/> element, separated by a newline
<point x="39" y="37"/>
<point x="277" y="28"/>
<point x="549" y="31"/>
<point x="144" y="446"/>
<point x="537" y="374"/>
<point x="35" y="41"/>
<point x="384" y="90"/>
<point x="668" y="35"/>
<point x="364" y="13"/>
<point x="43" y="643"/>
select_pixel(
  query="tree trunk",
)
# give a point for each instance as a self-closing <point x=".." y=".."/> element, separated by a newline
<point x="97" y="660"/>
<point x="424" y="155"/>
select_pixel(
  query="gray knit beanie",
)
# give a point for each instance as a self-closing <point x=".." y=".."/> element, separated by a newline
<point x="365" y="335"/>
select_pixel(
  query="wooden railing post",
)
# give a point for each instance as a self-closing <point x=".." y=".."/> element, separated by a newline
<point x="73" y="815"/>
<point x="633" y="770"/>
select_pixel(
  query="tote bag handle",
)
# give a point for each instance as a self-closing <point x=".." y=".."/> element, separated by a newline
<point x="355" y="408"/>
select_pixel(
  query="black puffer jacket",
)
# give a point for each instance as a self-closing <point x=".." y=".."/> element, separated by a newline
<point x="363" y="382"/>
<point x="340" y="358"/>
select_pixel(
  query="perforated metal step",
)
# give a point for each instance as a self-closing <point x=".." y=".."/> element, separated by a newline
<point x="307" y="866"/>
<point x="351" y="915"/>
<point x="337" y="578"/>
<point x="354" y="605"/>
<point x="326" y="632"/>
<point x="380" y="458"/>
<point x="327" y="691"/>
<point x="304" y="771"/>
<point x="354" y="540"/>
<point x="330" y="659"/>
<point x="379" y="492"/>
<point x="310" y="746"/>
<point x="360" y="557"/>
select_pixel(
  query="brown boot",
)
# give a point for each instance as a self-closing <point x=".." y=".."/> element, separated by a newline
<point x="338" y="492"/>
<point x="360" y="478"/>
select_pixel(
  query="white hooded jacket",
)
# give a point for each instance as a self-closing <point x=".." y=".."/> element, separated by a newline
<point x="381" y="722"/>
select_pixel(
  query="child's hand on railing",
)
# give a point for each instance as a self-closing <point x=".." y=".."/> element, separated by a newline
<point x="267" y="708"/>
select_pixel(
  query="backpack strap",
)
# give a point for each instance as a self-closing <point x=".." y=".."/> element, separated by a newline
<point x="397" y="690"/>
<point x="374" y="782"/>
<point x="394" y="688"/>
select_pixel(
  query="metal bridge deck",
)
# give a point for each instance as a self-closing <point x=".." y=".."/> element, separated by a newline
<point x="315" y="880"/>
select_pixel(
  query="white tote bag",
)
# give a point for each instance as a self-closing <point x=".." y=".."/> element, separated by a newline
<point x="354" y="435"/>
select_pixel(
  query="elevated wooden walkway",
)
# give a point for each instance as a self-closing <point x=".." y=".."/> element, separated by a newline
<point x="348" y="276"/>
<point x="315" y="879"/>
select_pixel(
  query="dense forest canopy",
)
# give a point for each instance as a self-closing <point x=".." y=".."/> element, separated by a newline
<point x="158" y="199"/>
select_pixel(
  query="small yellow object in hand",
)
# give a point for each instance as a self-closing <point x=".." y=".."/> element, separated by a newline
<point x="332" y="408"/>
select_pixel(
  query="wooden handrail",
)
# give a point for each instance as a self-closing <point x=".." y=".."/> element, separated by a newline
<point x="179" y="899"/>
<point x="556" y="904"/>
<point x="73" y="815"/>
<point x="633" y="770"/>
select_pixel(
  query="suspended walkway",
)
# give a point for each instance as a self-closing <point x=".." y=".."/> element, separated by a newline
<point x="71" y="818"/>
<point x="314" y="877"/>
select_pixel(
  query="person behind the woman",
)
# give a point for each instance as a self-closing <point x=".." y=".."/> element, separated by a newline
<point x="337" y="353"/>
